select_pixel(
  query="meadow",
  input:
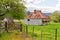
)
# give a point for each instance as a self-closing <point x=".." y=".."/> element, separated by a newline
<point x="46" y="32"/>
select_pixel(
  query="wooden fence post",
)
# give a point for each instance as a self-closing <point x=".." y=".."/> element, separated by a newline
<point x="20" y="27"/>
<point x="0" y="30"/>
<point x="6" y="26"/>
<point x="41" y="35"/>
<point x="26" y="29"/>
<point x="56" y="34"/>
<point x="33" y="31"/>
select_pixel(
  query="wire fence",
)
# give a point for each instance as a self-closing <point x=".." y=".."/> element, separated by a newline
<point x="32" y="33"/>
<point x="51" y="34"/>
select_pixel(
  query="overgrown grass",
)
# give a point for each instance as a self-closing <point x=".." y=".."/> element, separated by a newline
<point x="48" y="32"/>
<point x="5" y="36"/>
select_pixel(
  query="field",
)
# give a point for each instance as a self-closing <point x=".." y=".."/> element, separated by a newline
<point x="46" y="32"/>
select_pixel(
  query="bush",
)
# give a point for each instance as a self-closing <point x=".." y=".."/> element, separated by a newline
<point x="55" y="17"/>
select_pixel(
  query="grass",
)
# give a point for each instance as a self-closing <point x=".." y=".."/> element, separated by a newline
<point x="48" y="32"/>
<point x="14" y="36"/>
<point x="5" y="36"/>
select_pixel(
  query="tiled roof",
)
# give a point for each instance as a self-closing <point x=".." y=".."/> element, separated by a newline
<point x="37" y="14"/>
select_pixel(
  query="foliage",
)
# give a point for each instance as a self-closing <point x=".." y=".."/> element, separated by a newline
<point x="55" y="16"/>
<point x="12" y="8"/>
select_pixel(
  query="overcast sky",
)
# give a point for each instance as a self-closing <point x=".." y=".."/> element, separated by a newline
<point x="44" y="5"/>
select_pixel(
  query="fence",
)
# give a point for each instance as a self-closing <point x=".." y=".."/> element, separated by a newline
<point x="51" y="34"/>
<point x="37" y="33"/>
<point x="10" y="27"/>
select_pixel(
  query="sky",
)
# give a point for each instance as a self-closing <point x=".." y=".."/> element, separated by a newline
<point x="44" y="5"/>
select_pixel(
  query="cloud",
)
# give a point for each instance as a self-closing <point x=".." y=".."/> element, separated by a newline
<point x="34" y="1"/>
<point x="38" y="1"/>
<point x="48" y="9"/>
<point x="58" y="5"/>
<point x="58" y="1"/>
<point x="34" y="4"/>
<point x="44" y="9"/>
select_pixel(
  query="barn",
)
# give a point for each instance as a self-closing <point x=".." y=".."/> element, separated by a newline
<point x="37" y="18"/>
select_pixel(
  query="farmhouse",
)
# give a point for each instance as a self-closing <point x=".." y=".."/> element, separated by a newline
<point x="37" y="18"/>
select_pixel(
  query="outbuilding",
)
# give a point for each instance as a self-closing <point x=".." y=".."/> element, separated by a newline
<point x="37" y="18"/>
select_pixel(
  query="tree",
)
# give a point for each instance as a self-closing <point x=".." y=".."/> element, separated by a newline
<point x="12" y="8"/>
<point x="55" y="16"/>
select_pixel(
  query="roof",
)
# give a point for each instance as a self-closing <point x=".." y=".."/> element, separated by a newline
<point x="37" y="14"/>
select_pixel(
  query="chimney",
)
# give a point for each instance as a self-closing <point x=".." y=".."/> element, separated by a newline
<point x="40" y="11"/>
<point x="35" y="11"/>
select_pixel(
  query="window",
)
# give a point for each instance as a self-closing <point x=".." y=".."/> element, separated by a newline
<point x="28" y="19"/>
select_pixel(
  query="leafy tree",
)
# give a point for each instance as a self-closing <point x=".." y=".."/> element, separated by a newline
<point x="55" y="16"/>
<point x="12" y="8"/>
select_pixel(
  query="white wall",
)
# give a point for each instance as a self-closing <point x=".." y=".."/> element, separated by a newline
<point x="33" y="22"/>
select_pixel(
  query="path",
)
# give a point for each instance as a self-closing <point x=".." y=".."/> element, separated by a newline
<point x="20" y="36"/>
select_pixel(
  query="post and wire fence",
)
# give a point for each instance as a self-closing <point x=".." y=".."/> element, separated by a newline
<point x="42" y="35"/>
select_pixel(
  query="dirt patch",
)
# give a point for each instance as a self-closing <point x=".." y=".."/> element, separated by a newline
<point x="21" y="36"/>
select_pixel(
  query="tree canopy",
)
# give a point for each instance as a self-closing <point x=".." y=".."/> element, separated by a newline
<point x="12" y="8"/>
<point x="55" y="16"/>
